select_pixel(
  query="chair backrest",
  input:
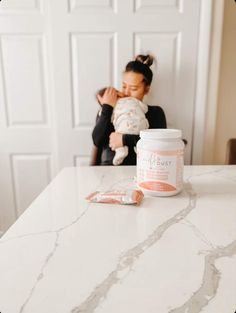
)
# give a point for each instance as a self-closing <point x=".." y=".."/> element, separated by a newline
<point x="95" y="157"/>
<point x="231" y="151"/>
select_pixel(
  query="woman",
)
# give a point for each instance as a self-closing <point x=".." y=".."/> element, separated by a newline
<point x="136" y="82"/>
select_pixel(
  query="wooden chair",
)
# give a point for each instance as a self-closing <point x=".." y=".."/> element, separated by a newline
<point x="95" y="156"/>
<point x="231" y="151"/>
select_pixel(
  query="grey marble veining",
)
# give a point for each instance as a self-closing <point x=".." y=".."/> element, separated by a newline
<point x="210" y="283"/>
<point x="170" y="255"/>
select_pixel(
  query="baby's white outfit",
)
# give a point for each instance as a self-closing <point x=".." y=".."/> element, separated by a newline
<point x="128" y="118"/>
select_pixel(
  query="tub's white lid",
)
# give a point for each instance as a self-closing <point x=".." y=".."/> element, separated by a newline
<point x="160" y="133"/>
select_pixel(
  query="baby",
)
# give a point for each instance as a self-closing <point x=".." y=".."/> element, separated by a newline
<point x="128" y="118"/>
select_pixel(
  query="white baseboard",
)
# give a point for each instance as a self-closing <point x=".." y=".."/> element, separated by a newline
<point x="1" y="233"/>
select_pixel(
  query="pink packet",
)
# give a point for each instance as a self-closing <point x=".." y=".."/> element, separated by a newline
<point x="132" y="196"/>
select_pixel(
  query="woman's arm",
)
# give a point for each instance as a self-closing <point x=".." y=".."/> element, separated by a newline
<point x="156" y="119"/>
<point x="130" y="140"/>
<point x="103" y="127"/>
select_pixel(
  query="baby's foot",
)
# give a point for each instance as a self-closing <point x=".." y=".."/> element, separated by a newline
<point x="121" y="154"/>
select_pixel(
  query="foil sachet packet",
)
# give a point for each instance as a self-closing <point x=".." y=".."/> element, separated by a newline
<point x="130" y="196"/>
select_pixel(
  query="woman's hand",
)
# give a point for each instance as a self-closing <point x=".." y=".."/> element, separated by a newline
<point x="109" y="97"/>
<point x="116" y="140"/>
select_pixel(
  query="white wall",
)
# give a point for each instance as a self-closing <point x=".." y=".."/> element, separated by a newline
<point x="221" y="103"/>
<point x="226" y="112"/>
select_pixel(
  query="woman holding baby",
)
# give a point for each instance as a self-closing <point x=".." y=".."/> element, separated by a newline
<point x="123" y="115"/>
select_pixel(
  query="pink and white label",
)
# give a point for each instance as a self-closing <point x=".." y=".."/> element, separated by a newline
<point x="160" y="170"/>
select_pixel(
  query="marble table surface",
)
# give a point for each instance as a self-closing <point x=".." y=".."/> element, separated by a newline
<point x="169" y="255"/>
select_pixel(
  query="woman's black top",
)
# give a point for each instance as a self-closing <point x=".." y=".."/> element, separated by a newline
<point x="104" y="127"/>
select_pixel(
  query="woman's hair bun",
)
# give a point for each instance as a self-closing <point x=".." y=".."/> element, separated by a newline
<point x="145" y="59"/>
<point x="141" y="65"/>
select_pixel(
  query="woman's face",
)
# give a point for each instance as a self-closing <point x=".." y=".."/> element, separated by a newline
<point x="133" y="85"/>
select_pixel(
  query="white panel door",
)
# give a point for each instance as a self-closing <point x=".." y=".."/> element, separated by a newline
<point x="26" y="144"/>
<point x="54" y="55"/>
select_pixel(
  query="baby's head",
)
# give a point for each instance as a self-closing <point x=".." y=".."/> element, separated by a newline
<point x="120" y="100"/>
<point x="100" y="92"/>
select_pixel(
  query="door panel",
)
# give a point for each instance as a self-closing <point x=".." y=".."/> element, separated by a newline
<point x="26" y="136"/>
<point x="88" y="79"/>
<point x="30" y="173"/>
<point x="21" y="70"/>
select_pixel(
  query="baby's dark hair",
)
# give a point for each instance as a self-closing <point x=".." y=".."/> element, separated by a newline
<point x="141" y="65"/>
<point x="101" y="91"/>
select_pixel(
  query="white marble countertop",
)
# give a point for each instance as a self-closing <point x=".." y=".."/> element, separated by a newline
<point x="169" y="255"/>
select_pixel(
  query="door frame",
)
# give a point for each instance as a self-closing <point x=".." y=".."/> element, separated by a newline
<point x="207" y="80"/>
